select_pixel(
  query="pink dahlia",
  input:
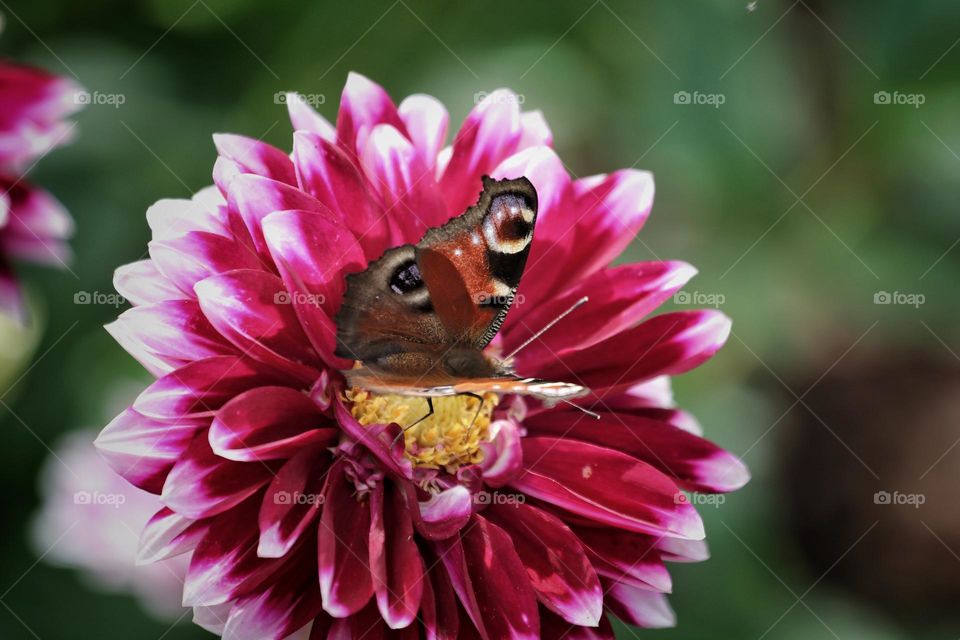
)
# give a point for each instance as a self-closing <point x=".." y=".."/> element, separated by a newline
<point x="34" y="226"/>
<point x="501" y="517"/>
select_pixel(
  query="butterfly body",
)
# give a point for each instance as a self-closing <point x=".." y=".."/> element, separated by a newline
<point x="418" y="319"/>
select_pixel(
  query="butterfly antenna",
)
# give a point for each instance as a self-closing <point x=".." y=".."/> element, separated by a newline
<point x="586" y="411"/>
<point x="548" y="326"/>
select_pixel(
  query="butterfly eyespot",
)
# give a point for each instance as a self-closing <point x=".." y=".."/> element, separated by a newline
<point x="406" y="278"/>
<point x="509" y="224"/>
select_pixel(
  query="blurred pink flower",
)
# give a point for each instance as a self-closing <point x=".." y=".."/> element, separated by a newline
<point x="90" y="519"/>
<point x="299" y="510"/>
<point x="34" y="226"/>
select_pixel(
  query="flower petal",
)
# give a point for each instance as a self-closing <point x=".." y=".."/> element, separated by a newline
<point x="168" y="534"/>
<point x="143" y="450"/>
<point x="326" y="172"/>
<point x="304" y="117"/>
<point x="553" y="626"/>
<point x="639" y="607"/>
<point x="488" y="135"/>
<point x="694" y="463"/>
<point x="363" y="105"/>
<point x="269" y="423"/>
<point x="426" y="120"/>
<point x="506" y="600"/>
<point x="395" y="561"/>
<point x="168" y="335"/>
<point x="381" y="443"/>
<point x="202" y="484"/>
<point x="256" y="156"/>
<point x="503" y="455"/>
<point x="556" y="564"/>
<point x="170" y="217"/>
<point x="343" y="547"/>
<point x="185" y="260"/>
<point x="607" y="486"/>
<point x="293" y="501"/>
<point x="141" y="283"/>
<point x="249" y="308"/>
<point x="625" y="556"/>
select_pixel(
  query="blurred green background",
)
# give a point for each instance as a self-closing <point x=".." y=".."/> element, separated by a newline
<point x="800" y="198"/>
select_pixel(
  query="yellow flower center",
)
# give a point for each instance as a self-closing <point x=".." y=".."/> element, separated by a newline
<point x="448" y="439"/>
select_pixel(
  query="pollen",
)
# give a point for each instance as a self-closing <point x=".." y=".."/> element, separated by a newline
<point x="448" y="439"/>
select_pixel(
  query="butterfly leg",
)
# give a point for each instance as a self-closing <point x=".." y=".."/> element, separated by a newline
<point x="479" y="398"/>
<point x="425" y="416"/>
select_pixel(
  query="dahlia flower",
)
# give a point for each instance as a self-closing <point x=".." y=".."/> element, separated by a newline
<point x="90" y="520"/>
<point x="34" y="226"/>
<point x="302" y="506"/>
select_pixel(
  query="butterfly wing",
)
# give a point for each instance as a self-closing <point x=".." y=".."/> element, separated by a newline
<point x="438" y="385"/>
<point x="453" y="288"/>
<point x="472" y="265"/>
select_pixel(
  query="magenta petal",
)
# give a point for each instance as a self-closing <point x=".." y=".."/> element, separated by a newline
<point x="225" y="564"/>
<point x="168" y="534"/>
<point x="251" y="309"/>
<point x="507" y="602"/>
<point x="606" y="486"/>
<point x="438" y="607"/>
<point x="558" y="568"/>
<point x="406" y="186"/>
<point x="292" y="502"/>
<point x="668" y="344"/>
<point x="451" y="553"/>
<point x="694" y="463"/>
<point x="143" y="450"/>
<point x="304" y="117"/>
<point x="255" y="156"/>
<point x="142" y="283"/>
<point x="200" y="388"/>
<point x="312" y="255"/>
<point x="256" y="197"/>
<point x="639" y="607"/>
<point x="286" y="604"/>
<point x="553" y="626"/>
<point x="489" y="134"/>
<point x="444" y="513"/>
<point x="535" y="130"/>
<point x="168" y="335"/>
<point x="395" y="561"/>
<point x="327" y="173"/>
<point x="625" y="556"/>
<point x="363" y="105"/>
<point x="202" y="484"/>
<point x="187" y="259"/>
<point x="619" y="298"/>
<point x="377" y="442"/>
<point x="169" y="218"/>
<point x="343" y="547"/>
<point x="678" y="550"/>
<point x="426" y="119"/>
<point x="269" y="423"/>
<point x="502" y="455"/>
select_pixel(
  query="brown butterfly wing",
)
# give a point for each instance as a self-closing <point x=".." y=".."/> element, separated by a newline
<point x="453" y="289"/>
<point x="472" y="265"/>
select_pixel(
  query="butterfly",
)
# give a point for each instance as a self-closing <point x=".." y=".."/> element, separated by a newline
<point x="418" y="319"/>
